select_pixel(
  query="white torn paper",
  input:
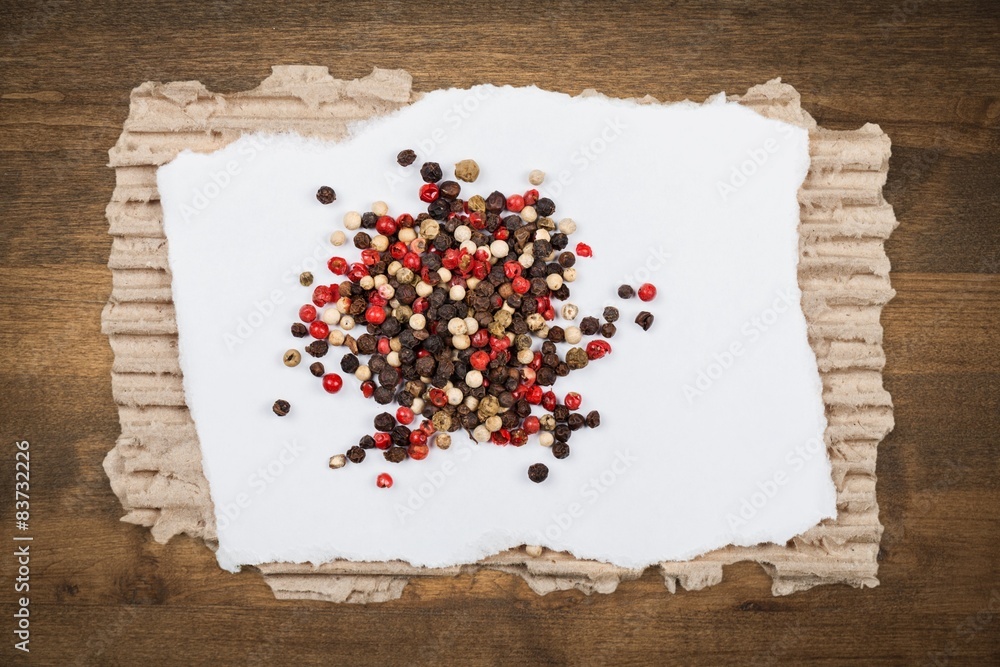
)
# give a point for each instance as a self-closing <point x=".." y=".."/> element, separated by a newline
<point x="712" y="421"/>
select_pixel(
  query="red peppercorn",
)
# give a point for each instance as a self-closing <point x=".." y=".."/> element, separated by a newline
<point x="332" y="383"/>
<point x="549" y="401"/>
<point x="412" y="261"/>
<point x="398" y="250"/>
<point x="319" y="329"/>
<point x="501" y="437"/>
<point x="384" y="346"/>
<point x="383" y="440"/>
<point x="515" y="203"/>
<point x="573" y="400"/>
<point x="596" y="349"/>
<point x="307" y="313"/>
<point x="536" y="361"/>
<point x="476" y="220"/>
<point x="534" y="395"/>
<point x="370" y="256"/>
<point x="417" y="452"/>
<point x="532" y="425"/>
<point x="418" y="437"/>
<point x="404" y="415"/>
<point x="428" y="192"/>
<point x="367" y="388"/>
<point x="428" y="427"/>
<point x="521" y="285"/>
<point x="337" y="265"/>
<point x="405" y="220"/>
<point x="531" y="197"/>
<point x="479" y="359"/>
<point x="383" y="481"/>
<point x="375" y="315"/>
<point x="584" y="250"/>
<point x="480" y="338"/>
<point x="420" y="305"/>
<point x="512" y="270"/>
<point x="647" y="292"/>
<point x="438" y="397"/>
<point x="322" y="295"/>
<point x="357" y="272"/>
<point x="518" y="437"/>
<point x="386" y="225"/>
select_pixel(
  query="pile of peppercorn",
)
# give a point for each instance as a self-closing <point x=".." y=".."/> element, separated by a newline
<point x="441" y="317"/>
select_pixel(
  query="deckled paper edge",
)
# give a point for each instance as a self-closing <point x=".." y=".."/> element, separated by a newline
<point x="155" y="467"/>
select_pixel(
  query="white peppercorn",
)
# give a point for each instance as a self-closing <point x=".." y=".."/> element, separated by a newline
<point x="536" y="177"/>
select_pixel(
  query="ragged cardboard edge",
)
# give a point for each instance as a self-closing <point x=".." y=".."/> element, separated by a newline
<point x="155" y="467"/>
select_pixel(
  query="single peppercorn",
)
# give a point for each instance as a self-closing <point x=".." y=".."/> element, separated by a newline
<point x="326" y="195"/>
<point x="450" y="189"/>
<point x="383" y="481"/>
<point x="317" y="369"/>
<point x="318" y="348"/>
<point x="647" y="292"/>
<point x="300" y="330"/>
<point x="538" y="472"/>
<point x="406" y="157"/>
<point x="305" y="279"/>
<point x="355" y="454"/>
<point x="384" y="422"/>
<point x="589" y="326"/>
<point x="644" y="320"/>
<point x="467" y="170"/>
<point x="545" y="207"/>
<point x="366" y="442"/>
<point x="281" y="407"/>
<point x="292" y="358"/>
<point x="608" y="330"/>
<point x="560" y="450"/>
<point x="626" y="292"/>
<point x="431" y="172"/>
<point x="611" y="314"/>
<point x="593" y="419"/>
<point x="338" y="461"/>
<point x="395" y="454"/>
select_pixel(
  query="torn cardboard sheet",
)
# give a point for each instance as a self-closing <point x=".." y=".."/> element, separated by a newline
<point x="843" y="274"/>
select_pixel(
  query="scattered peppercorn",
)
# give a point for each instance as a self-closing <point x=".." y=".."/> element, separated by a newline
<point x="536" y="177"/>
<point x="406" y="158"/>
<point x="467" y="170"/>
<point x="647" y="292"/>
<point x="611" y="314"/>
<point x="560" y="450"/>
<point x="300" y="330"/>
<point x="317" y="369"/>
<point x="318" y="348"/>
<point x="608" y="330"/>
<point x="589" y="326"/>
<point x="431" y="172"/>
<point x="538" y="472"/>
<point x="593" y="419"/>
<point x="395" y="454"/>
<point x="338" y="461"/>
<point x="355" y="454"/>
<point x="383" y="481"/>
<point x="626" y="292"/>
<point x="292" y="358"/>
<point x="281" y="407"/>
<point x="644" y="320"/>
<point x="305" y="279"/>
<point x="326" y="195"/>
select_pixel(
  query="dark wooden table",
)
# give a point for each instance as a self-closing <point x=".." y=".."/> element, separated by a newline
<point x="103" y="592"/>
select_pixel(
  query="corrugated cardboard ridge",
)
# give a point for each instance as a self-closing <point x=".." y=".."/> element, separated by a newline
<point x="155" y="468"/>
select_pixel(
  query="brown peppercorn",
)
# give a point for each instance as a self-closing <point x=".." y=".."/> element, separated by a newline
<point x="477" y="204"/>
<point x="362" y="241"/>
<point x="300" y="330"/>
<point x="644" y="320"/>
<point x="317" y="369"/>
<point x="538" y="472"/>
<point x="305" y="279"/>
<point x="566" y="259"/>
<point x="589" y="326"/>
<point x="384" y="422"/>
<point x="557" y="334"/>
<point x="626" y="292"/>
<point x="406" y="157"/>
<point x="467" y="170"/>
<point x="292" y="358"/>
<point x="611" y="314"/>
<point x="281" y="407"/>
<point x="449" y="189"/>
<point x="593" y="419"/>
<point x="576" y="421"/>
<point x="545" y="207"/>
<point x="395" y="454"/>
<point x="560" y="450"/>
<point x="576" y="358"/>
<point x="431" y="172"/>
<point x="366" y="442"/>
<point x="496" y="202"/>
<point x="608" y="330"/>
<point x="355" y="454"/>
<point x="318" y="348"/>
<point x="326" y="195"/>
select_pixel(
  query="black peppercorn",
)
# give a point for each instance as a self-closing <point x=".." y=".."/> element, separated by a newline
<point x="406" y="158"/>
<point x="281" y="407"/>
<point x="611" y="314"/>
<point x="496" y="202"/>
<point x="545" y="207"/>
<point x="300" y="330"/>
<point x="326" y="195"/>
<point x="593" y="419"/>
<point x="449" y="189"/>
<point x="366" y="442"/>
<point x="626" y="292"/>
<point x="384" y="422"/>
<point x="317" y="369"/>
<point x="431" y="172"/>
<point x="566" y="259"/>
<point x="355" y="454"/>
<point x="439" y="209"/>
<point x="608" y="330"/>
<point x="349" y="363"/>
<point x="395" y="454"/>
<point x="644" y="320"/>
<point x="563" y="432"/>
<point x="318" y="348"/>
<point x="589" y="326"/>
<point x="538" y="472"/>
<point x="576" y="421"/>
<point x="560" y="450"/>
<point x="369" y="220"/>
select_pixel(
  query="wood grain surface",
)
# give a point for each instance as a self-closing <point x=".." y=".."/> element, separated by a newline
<point x="102" y="592"/>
